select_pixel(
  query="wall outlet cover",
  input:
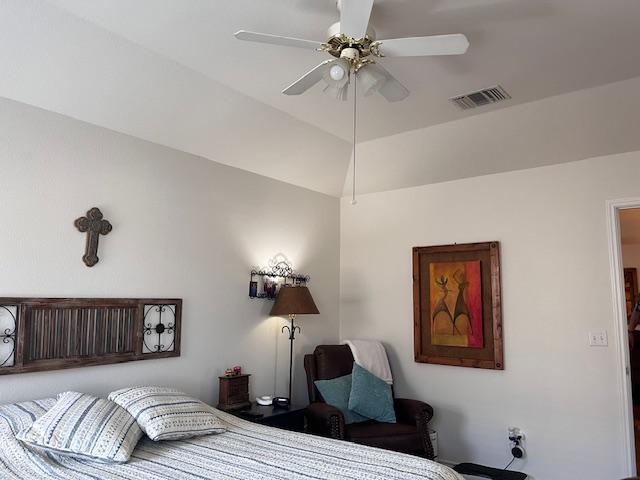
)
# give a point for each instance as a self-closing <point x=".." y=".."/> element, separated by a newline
<point x="598" y="338"/>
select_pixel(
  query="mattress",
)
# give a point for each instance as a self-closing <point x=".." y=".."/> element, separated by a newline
<point x="247" y="451"/>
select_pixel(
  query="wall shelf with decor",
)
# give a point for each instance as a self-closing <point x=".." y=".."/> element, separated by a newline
<point x="265" y="282"/>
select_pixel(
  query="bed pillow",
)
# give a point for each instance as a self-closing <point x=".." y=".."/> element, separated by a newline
<point x="86" y="427"/>
<point x="371" y="396"/>
<point x="335" y="392"/>
<point x="168" y="414"/>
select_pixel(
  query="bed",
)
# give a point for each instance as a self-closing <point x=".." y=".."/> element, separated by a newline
<point x="246" y="451"/>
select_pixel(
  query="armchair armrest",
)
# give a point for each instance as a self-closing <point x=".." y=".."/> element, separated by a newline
<point x="417" y="413"/>
<point x="412" y="411"/>
<point x="325" y="420"/>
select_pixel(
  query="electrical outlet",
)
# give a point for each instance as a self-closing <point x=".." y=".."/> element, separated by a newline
<point x="516" y="439"/>
<point x="598" y="338"/>
<point x="515" y="433"/>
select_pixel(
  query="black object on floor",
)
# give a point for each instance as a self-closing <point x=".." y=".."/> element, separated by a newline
<point x="488" y="472"/>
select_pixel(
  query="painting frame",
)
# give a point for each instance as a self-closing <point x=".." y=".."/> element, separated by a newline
<point x="490" y="355"/>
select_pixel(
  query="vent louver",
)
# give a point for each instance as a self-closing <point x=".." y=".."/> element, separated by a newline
<point x="481" y="97"/>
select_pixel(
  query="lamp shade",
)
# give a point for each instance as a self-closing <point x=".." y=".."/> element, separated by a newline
<point x="294" y="301"/>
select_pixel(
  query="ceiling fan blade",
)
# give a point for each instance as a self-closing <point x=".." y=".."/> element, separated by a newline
<point x="354" y="17"/>
<point x="277" y="40"/>
<point x="390" y="88"/>
<point x="455" y="44"/>
<point x="309" y="79"/>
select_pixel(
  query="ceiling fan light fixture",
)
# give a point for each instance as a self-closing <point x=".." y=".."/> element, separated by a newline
<point x="371" y="79"/>
<point x="337" y="73"/>
<point x="337" y="76"/>
<point x="341" y="93"/>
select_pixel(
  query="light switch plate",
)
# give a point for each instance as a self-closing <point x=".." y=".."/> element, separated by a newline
<point x="598" y="338"/>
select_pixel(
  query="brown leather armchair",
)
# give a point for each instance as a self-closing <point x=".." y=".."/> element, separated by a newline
<point x="409" y="435"/>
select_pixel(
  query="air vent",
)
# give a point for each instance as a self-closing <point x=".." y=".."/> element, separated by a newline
<point x="481" y="97"/>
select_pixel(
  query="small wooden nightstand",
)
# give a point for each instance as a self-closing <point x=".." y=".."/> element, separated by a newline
<point x="234" y="393"/>
<point x="291" y="418"/>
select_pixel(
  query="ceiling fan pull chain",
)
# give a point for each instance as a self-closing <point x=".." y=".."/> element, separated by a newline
<point x="355" y="102"/>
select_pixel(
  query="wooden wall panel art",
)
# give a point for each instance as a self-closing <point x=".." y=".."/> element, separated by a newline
<point x="38" y="334"/>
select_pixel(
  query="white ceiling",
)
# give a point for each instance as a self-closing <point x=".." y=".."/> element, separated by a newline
<point x="594" y="122"/>
<point x="171" y="72"/>
<point x="535" y="49"/>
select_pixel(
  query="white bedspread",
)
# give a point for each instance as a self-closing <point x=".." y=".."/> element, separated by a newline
<point x="247" y="451"/>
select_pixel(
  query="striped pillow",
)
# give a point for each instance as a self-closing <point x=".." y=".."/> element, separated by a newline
<point x="85" y="427"/>
<point x="167" y="414"/>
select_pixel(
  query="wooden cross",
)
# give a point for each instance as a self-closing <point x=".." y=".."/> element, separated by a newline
<point x="94" y="225"/>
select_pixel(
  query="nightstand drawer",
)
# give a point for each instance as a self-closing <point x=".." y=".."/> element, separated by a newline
<point x="234" y="392"/>
<point x="238" y="390"/>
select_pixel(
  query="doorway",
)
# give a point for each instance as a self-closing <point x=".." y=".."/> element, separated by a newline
<point x="624" y="238"/>
<point x="629" y="221"/>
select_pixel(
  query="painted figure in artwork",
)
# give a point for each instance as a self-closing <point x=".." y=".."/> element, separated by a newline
<point x="461" y="311"/>
<point x="441" y="315"/>
<point x="463" y="328"/>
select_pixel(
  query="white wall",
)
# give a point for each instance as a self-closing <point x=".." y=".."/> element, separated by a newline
<point x="67" y="65"/>
<point x="183" y="226"/>
<point x="556" y="286"/>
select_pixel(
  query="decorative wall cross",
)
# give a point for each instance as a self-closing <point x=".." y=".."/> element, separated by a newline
<point x="94" y="225"/>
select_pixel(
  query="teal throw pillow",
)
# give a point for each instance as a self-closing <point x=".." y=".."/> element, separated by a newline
<point x="371" y="396"/>
<point x="336" y="392"/>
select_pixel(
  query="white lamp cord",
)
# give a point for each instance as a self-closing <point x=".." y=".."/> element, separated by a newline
<point x="355" y="102"/>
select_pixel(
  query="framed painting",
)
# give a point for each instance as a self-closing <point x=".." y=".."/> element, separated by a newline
<point x="457" y="306"/>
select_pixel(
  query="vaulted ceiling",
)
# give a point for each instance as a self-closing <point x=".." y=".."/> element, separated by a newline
<point x="172" y="72"/>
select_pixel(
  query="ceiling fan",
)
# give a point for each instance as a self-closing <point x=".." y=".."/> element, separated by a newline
<point x="352" y="41"/>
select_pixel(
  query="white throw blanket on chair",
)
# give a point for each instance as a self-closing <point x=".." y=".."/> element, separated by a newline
<point x="371" y="355"/>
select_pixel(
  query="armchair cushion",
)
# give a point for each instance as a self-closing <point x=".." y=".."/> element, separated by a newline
<point x="336" y="393"/>
<point x="371" y="396"/>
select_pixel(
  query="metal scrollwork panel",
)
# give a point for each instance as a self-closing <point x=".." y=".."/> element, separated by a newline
<point x="159" y="328"/>
<point x="8" y="331"/>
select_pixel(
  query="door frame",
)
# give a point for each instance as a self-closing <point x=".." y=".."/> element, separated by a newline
<point x="620" y="315"/>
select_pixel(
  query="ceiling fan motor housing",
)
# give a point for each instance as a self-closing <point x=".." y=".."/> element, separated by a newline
<point x="338" y="42"/>
<point x="350" y="53"/>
